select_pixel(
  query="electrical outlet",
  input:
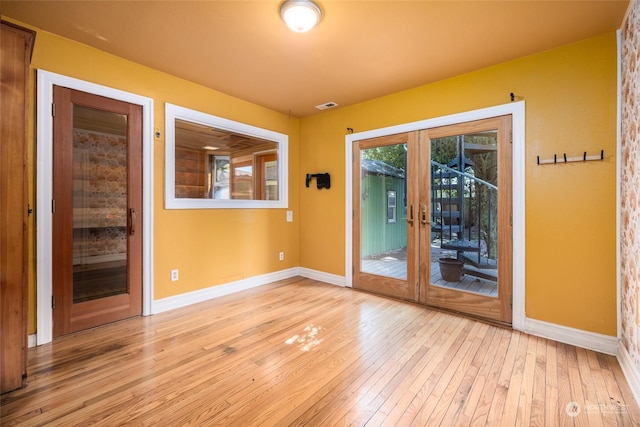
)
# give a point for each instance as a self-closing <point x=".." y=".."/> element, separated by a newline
<point x="281" y="256"/>
<point x="174" y="275"/>
<point x="289" y="216"/>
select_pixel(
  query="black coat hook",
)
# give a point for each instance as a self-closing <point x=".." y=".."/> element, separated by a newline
<point x="323" y="180"/>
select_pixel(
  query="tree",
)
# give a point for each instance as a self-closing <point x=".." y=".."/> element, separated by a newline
<point x="392" y="155"/>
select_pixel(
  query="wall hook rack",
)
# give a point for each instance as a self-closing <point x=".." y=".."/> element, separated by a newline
<point x="565" y="159"/>
<point x="323" y="180"/>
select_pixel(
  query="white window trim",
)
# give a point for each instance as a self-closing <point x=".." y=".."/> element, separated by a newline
<point x="517" y="111"/>
<point x="173" y="112"/>
<point x="44" y="192"/>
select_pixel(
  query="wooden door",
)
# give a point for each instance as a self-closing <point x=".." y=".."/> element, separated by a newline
<point x="465" y="216"/>
<point x="14" y="61"/>
<point x="432" y="217"/>
<point x="97" y="210"/>
<point x="385" y="183"/>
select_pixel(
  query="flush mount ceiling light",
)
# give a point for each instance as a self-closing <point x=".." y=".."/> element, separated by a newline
<point x="300" y="15"/>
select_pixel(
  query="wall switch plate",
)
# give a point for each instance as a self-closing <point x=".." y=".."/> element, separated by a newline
<point x="281" y="256"/>
<point x="289" y="216"/>
<point x="174" y="275"/>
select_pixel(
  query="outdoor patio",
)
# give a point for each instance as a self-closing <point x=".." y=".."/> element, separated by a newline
<point x="394" y="264"/>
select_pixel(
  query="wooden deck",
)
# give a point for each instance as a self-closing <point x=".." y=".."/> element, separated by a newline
<point x="300" y="352"/>
<point x="397" y="268"/>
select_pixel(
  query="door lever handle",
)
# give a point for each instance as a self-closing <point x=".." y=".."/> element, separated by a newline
<point x="132" y="219"/>
<point x="423" y="220"/>
<point x="410" y="217"/>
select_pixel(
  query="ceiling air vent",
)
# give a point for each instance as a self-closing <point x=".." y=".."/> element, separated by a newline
<point x="326" y="105"/>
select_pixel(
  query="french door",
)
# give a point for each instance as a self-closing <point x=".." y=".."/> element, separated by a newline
<point x="432" y="217"/>
<point x="97" y="210"/>
<point x="385" y="241"/>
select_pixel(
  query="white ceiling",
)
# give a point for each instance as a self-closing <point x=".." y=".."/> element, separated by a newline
<point x="360" y="50"/>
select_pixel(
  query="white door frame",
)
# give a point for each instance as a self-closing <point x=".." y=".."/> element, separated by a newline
<point x="517" y="111"/>
<point x="44" y="192"/>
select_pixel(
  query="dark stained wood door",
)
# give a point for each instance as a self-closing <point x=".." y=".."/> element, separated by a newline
<point x="97" y="210"/>
<point x="14" y="61"/>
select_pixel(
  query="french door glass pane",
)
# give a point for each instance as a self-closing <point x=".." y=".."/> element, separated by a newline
<point x="384" y="211"/>
<point x="99" y="204"/>
<point x="464" y="212"/>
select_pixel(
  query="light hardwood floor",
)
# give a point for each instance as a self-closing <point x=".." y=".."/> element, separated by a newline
<point x="299" y="352"/>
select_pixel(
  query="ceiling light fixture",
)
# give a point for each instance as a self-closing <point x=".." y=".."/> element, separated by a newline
<point x="300" y="15"/>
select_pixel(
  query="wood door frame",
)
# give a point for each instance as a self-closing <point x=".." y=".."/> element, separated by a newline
<point x="44" y="191"/>
<point x="517" y="111"/>
<point x="15" y="57"/>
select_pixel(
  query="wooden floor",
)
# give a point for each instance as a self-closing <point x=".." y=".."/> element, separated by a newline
<point x="299" y="352"/>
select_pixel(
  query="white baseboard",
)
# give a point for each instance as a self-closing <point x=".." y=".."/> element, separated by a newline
<point x="321" y="276"/>
<point x="183" y="300"/>
<point x="589" y="340"/>
<point x="31" y="340"/>
<point x="629" y="370"/>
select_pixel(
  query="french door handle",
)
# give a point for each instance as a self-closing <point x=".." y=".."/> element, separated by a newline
<point x="410" y="217"/>
<point x="132" y="219"/>
<point x="423" y="219"/>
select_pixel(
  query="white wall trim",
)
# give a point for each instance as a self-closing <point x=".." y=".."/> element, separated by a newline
<point x="44" y="190"/>
<point x="517" y="111"/>
<point x="321" y="276"/>
<point x="590" y="340"/>
<point x="629" y="370"/>
<point x="619" y="184"/>
<point x="31" y="340"/>
<point x="216" y="291"/>
<point x="174" y="112"/>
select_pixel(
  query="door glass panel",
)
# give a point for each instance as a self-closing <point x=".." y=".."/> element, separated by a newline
<point x="99" y="204"/>
<point x="383" y="211"/>
<point x="464" y="212"/>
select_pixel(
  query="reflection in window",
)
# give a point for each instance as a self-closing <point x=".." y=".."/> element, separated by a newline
<point x="391" y="207"/>
<point x="218" y="163"/>
<point x="242" y="181"/>
<point x="227" y="174"/>
<point x="219" y="173"/>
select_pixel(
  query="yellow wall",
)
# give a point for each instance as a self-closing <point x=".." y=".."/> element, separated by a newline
<point x="209" y="247"/>
<point x="570" y="96"/>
